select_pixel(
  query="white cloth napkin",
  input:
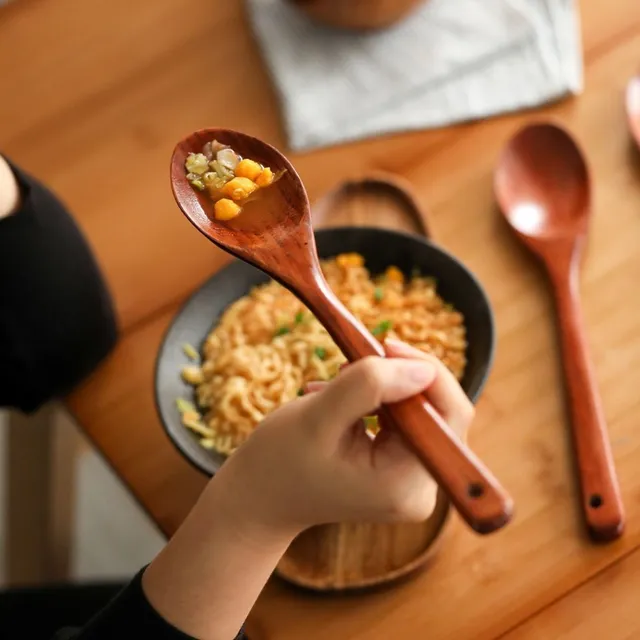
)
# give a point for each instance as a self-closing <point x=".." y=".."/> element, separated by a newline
<point x="451" y="61"/>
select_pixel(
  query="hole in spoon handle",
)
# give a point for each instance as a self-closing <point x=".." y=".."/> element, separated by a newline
<point x="473" y="490"/>
<point x="604" y="516"/>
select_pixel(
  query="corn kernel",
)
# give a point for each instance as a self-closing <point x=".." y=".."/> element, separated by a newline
<point x="394" y="274"/>
<point x="239" y="188"/>
<point x="226" y="209"/>
<point x="248" y="169"/>
<point x="191" y="416"/>
<point x="192" y="374"/>
<point x="347" y="260"/>
<point x="265" y="178"/>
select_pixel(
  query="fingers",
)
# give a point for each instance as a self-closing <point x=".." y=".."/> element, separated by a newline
<point x="362" y="387"/>
<point x="444" y="393"/>
<point x="442" y="389"/>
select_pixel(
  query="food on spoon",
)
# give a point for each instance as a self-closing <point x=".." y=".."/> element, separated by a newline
<point x="248" y="169"/>
<point x="265" y="178"/>
<point x="229" y="179"/>
<point x="226" y="209"/>
<point x="239" y="188"/>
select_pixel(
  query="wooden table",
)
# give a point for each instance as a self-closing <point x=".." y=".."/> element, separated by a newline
<point x="96" y="112"/>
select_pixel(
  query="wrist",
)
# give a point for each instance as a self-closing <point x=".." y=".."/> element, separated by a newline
<point x="249" y="508"/>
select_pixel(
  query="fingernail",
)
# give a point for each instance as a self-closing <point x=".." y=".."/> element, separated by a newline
<point x="417" y="371"/>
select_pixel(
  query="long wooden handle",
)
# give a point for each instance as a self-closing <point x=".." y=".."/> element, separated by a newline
<point x="471" y="487"/>
<point x="601" y="501"/>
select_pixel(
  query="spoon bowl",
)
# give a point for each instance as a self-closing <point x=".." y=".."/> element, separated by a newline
<point x="542" y="184"/>
<point x="251" y="235"/>
<point x="275" y="234"/>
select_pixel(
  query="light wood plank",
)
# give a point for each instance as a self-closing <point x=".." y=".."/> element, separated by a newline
<point x="604" y="607"/>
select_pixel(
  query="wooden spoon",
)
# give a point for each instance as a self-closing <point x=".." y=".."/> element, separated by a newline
<point x="543" y="188"/>
<point x="633" y="107"/>
<point x="274" y="233"/>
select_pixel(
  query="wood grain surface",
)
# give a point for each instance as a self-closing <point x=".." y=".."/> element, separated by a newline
<point x="97" y="118"/>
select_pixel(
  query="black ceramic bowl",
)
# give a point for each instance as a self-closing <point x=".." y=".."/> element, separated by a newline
<point x="380" y="249"/>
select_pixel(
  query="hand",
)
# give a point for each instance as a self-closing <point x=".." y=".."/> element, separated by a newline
<point x="309" y="462"/>
<point x="312" y="462"/>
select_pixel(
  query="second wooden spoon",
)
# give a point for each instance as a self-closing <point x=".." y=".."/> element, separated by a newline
<point x="543" y="188"/>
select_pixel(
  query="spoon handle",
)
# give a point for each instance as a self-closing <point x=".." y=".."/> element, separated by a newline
<point x="471" y="487"/>
<point x="601" y="501"/>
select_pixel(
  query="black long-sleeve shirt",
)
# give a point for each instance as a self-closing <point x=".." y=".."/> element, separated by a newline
<point x="57" y="323"/>
<point x="57" y="320"/>
<point x="129" y="615"/>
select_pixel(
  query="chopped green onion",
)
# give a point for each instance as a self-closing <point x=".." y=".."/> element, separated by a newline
<point x="299" y="317"/>
<point x="184" y="405"/>
<point x="371" y="424"/>
<point x="300" y="392"/>
<point x="196" y="163"/>
<point x="383" y="327"/>
<point x="281" y="331"/>
<point x="320" y="352"/>
<point x="448" y="307"/>
<point x="190" y="352"/>
<point x="378" y="294"/>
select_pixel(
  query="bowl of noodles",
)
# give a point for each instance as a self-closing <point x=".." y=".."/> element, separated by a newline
<point x="242" y="346"/>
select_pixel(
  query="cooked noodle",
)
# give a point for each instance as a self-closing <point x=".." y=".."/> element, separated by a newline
<point x="267" y="345"/>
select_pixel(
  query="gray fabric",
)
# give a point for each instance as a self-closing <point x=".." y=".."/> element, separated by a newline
<point x="451" y="61"/>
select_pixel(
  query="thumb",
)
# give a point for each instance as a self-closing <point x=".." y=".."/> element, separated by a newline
<point x="361" y="388"/>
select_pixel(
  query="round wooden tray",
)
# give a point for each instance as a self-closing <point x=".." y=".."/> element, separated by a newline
<point x="338" y="557"/>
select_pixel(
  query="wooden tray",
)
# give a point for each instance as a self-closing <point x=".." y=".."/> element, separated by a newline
<point x="339" y="557"/>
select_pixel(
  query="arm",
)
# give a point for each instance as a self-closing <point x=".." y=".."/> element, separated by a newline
<point x="209" y="576"/>
<point x="9" y="190"/>
<point x="57" y="320"/>
<point x="303" y="466"/>
<point x="204" y="583"/>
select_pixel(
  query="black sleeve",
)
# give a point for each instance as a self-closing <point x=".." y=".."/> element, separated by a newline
<point x="57" y="320"/>
<point x="128" y="616"/>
